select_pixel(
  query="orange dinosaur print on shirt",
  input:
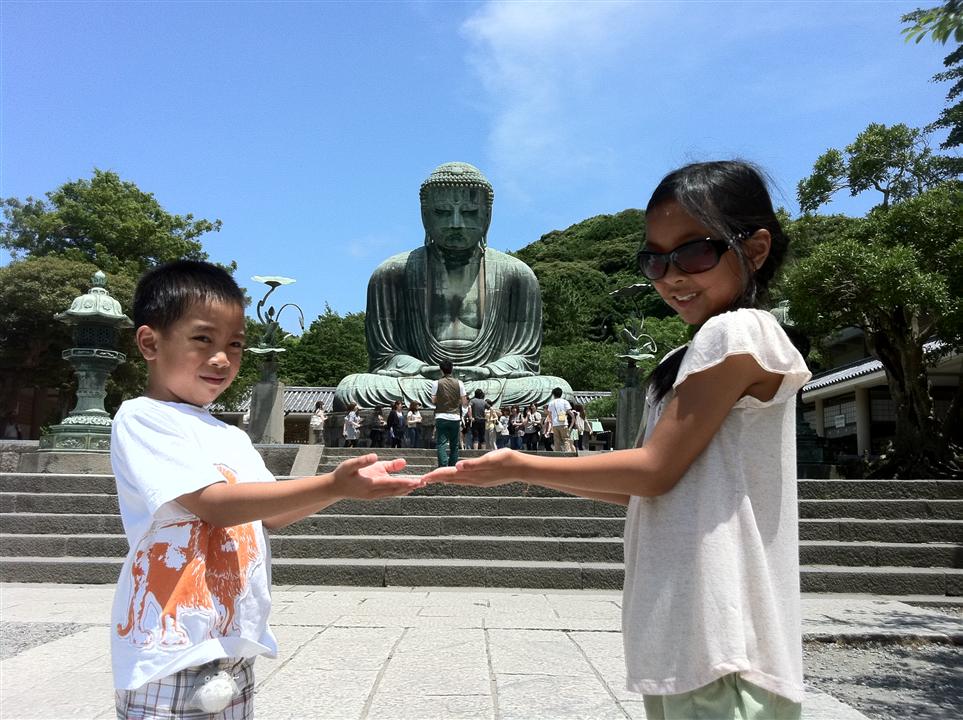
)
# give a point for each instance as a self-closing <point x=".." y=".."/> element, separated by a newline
<point x="187" y="570"/>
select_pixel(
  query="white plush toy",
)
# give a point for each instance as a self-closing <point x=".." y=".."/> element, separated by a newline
<point x="213" y="690"/>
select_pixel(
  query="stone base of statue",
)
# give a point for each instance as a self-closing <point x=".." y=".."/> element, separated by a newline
<point x="631" y="404"/>
<point x="267" y="413"/>
<point x="370" y="390"/>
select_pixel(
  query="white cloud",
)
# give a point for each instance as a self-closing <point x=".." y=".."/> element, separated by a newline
<point x="541" y="64"/>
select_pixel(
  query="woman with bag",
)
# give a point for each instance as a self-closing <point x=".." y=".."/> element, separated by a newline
<point x="316" y="425"/>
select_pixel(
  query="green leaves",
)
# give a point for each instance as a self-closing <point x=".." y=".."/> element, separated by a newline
<point x="941" y="22"/>
<point x="105" y="221"/>
<point x="895" y="161"/>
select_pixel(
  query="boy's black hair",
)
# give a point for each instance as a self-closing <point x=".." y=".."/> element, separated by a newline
<point x="446" y="367"/>
<point x="479" y="393"/>
<point x="165" y="293"/>
<point x="731" y="199"/>
<point x="557" y="392"/>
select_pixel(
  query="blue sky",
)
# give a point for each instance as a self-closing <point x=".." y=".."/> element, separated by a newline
<point x="307" y="127"/>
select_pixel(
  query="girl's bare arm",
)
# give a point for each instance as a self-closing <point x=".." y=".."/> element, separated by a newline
<point x="686" y="427"/>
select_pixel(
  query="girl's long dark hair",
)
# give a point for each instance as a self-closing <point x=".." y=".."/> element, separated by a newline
<point x="730" y="198"/>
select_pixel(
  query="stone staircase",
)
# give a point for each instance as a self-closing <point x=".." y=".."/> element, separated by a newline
<point x="886" y="537"/>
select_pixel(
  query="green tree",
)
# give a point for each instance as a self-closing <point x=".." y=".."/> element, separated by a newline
<point x="895" y="161"/>
<point x="332" y="347"/>
<point x="32" y="291"/>
<point x="895" y="274"/>
<point x="105" y="221"/>
<point x="57" y="243"/>
<point x="942" y="22"/>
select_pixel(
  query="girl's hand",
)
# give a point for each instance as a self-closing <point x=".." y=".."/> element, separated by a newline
<point x="494" y="468"/>
<point x="367" y="478"/>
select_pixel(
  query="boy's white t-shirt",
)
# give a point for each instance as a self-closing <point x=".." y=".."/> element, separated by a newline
<point x="558" y="408"/>
<point x="188" y="592"/>
<point x="712" y="566"/>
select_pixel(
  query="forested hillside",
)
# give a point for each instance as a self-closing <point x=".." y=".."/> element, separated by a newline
<point x="577" y="269"/>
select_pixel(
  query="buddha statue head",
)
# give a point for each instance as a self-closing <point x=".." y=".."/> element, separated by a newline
<point x="456" y="207"/>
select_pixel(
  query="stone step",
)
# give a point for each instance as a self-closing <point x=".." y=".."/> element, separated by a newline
<point x="89" y="503"/>
<point x="605" y="549"/>
<point x="487" y="505"/>
<point x="808" y="489"/>
<point x="881" y="509"/>
<point x="335" y="524"/>
<point x="489" y="573"/>
<point x="890" y="531"/>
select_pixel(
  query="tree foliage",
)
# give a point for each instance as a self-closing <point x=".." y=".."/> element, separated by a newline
<point x="105" y="221"/>
<point x="32" y="291"/>
<point x="57" y="244"/>
<point x="895" y="161"/>
<point x="895" y="275"/>
<point x="332" y="347"/>
<point x="941" y="22"/>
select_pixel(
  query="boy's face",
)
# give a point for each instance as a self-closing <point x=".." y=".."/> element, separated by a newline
<point x="195" y="359"/>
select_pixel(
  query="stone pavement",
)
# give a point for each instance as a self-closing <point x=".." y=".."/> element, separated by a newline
<point x="399" y="653"/>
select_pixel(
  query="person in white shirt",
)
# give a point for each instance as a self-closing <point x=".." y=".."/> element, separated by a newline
<point x="193" y="595"/>
<point x="560" y="410"/>
<point x="711" y="611"/>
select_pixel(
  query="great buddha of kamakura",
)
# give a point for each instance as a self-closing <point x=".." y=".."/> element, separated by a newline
<point x="453" y="298"/>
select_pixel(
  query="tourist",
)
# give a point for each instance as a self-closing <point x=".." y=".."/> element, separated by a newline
<point x="533" y="425"/>
<point x="491" y="424"/>
<point x="413" y="420"/>
<point x="396" y="425"/>
<point x="194" y="594"/>
<point x="316" y="424"/>
<point x="517" y="428"/>
<point x="450" y="400"/>
<point x="548" y="437"/>
<point x="560" y="411"/>
<point x="477" y="406"/>
<point x="376" y="434"/>
<point x="351" y="426"/>
<point x="711" y="608"/>
<point x="504" y="428"/>
<point x="577" y="428"/>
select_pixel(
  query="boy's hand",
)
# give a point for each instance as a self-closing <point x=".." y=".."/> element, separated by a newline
<point x="494" y="468"/>
<point x="367" y="478"/>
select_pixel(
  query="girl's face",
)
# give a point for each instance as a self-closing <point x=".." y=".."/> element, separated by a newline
<point x="695" y="297"/>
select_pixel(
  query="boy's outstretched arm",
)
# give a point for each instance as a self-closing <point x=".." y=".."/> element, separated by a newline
<point x="281" y="503"/>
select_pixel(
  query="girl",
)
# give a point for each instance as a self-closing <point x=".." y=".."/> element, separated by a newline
<point x="533" y="425"/>
<point x="316" y="424"/>
<point x="517" y="428"/>
<point x="396" y="425"/>
<point x="504" y="428"/>
<point x="351" y="424"/>
<point x="414" y="424"/>
<point x="711" y="617"/>
<point x="378" y="425"/>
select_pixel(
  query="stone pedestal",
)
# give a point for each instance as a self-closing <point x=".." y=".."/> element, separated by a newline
<point x="267" y="413"/>
<point x="631" y="404"/>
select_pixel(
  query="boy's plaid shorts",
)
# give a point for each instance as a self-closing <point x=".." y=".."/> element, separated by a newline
<point x="168" y="697"/>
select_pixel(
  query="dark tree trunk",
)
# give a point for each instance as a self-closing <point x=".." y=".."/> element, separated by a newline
<point x="921" y="449"/>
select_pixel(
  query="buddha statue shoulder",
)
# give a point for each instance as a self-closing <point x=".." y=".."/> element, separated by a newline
<point x="452" y="298"/>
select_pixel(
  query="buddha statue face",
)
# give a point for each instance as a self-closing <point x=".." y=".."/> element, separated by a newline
<point x="456" y="218"/>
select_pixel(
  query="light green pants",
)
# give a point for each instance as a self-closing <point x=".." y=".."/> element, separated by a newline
<point x="728" y="698"/>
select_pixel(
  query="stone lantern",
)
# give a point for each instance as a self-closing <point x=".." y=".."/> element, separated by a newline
<point x="96" y="317"/>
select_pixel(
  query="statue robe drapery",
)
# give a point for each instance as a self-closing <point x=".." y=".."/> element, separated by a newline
<point x="400" y="339"/>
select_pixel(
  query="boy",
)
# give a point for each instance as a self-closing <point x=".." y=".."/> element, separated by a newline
<point x="193" y="596"/>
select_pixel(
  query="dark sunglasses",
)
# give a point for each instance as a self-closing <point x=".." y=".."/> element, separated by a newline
<point x="695" y="256"/>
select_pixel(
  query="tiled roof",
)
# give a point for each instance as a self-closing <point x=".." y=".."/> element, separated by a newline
<point x="583" y="397"/>
<point x="867" y="366"/>
<point x="848" y="372"/>
<point x="296" y="400"/>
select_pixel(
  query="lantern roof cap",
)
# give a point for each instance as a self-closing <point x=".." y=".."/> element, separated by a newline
<point x="95" y="306"/>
